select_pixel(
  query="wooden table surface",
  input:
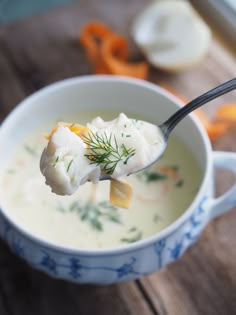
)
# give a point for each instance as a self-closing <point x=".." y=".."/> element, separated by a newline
<point x="44" y="49"/>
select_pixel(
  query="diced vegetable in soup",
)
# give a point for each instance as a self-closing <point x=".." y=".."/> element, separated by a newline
<point x="86" y="219"/>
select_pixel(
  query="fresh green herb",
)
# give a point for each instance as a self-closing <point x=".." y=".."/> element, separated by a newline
<point x="96" y="224"/>
<point x="179" y="183"/>
<point x="113" y="217"/>
<point x="107" y="206"/>
<point x="61" y="208"/>
<point x="69" y="165"/>
<point x="127" y="153"/>
<point x="151" y="176"/>
<point x="11" y="171"/>
<point x="55" y="162"/>
<point x="133" y="238"/>
<point x="156" y="218"/>
<point x="74" y="206"/>
<point x="30" y="150"/>
<point x="132" y="229"/>
<point x="109" y="212"/>
<point x="104" y="151"/>
<point x="96" y="214"/>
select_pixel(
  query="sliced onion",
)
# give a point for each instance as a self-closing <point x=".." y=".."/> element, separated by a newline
<point x="172" y="35"/>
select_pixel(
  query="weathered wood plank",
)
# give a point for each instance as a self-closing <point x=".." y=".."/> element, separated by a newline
<point x="4" y="308"/>
<point x="11" y="91"/>
<point x="54" y="52"/>
<point x="28" y="291"/>
<point x="46" y="49"/>
<point x="203" y="281"/>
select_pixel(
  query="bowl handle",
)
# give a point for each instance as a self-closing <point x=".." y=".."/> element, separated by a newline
<point x="225" y="160"/>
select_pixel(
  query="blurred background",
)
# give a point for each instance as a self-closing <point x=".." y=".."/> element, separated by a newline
<point x="12" y="10"/>
<point x="220" y="13"/>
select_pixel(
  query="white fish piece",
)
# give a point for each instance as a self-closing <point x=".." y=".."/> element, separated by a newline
<point x="64" y="165"/>
<point x="140" y="136"/>
<point x="69" y="160"/>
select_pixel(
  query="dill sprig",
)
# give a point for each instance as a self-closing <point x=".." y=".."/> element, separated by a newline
<point x="69" y="165"/>
<point x="134" y="235"/>
<point x="54" y="163"/>
<point x="104" y="150"/>
<point x="96" y="214"/>
<point x="30" y="150"/>
<point x="151" y="176"/>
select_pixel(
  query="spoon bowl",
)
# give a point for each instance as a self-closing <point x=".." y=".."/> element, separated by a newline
<point x="167" y="127"/>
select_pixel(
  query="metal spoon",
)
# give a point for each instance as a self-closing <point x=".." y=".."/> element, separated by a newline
<point x="167" y="127"/>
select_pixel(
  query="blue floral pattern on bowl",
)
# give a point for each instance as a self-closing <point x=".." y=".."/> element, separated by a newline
<point x="117" y="267"/>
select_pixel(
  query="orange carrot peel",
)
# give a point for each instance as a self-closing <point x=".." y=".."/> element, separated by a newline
<point x="224" y="116"/>
<point x="79" y="130"/>
<point x="226" y="112"/>
<point x="108" y="52"/>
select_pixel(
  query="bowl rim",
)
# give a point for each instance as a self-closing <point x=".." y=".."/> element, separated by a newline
<point x="127" y="248"/>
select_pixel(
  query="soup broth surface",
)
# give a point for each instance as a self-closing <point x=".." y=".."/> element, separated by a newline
<point x="161" y="194"/>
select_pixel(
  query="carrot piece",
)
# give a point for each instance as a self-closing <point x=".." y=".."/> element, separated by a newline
<point x="216" y="129"/>
<point x="101" y="68"/>
<point x="116" y="46"/>
<point x="114" y="52"/>
<point x="213" y="129"/>
<point x="226" y="112"/>
<point x="79" y="130"/>
<point x="108" y="52"/>
<point x="91" y="37"/>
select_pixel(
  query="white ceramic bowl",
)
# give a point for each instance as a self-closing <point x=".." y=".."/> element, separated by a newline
<point x="128" y="262"/>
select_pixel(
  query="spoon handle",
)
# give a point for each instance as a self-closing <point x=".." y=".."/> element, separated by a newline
<point x="171" y="122"/>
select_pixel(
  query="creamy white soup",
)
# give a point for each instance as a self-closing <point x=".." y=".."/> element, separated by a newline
<point x="86" y="219"/>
